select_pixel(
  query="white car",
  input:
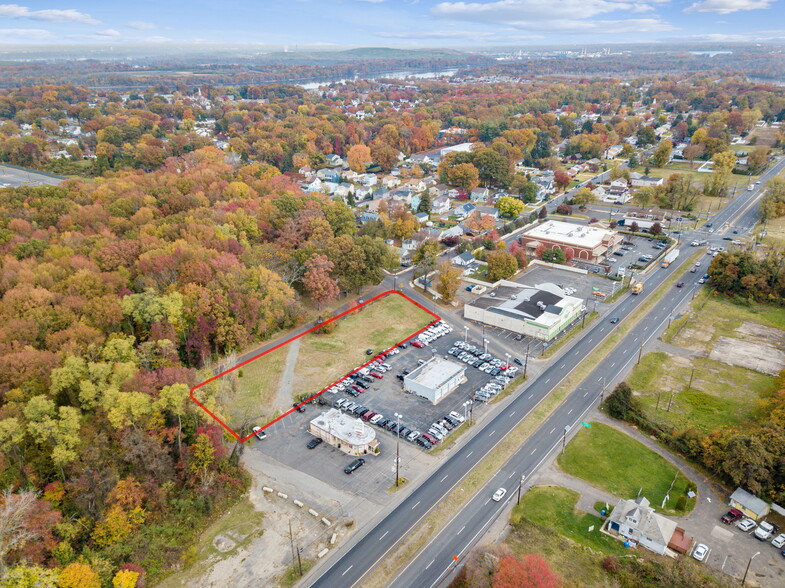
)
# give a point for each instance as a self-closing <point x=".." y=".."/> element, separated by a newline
<point x="746" y="525"/>
<point x="457" y="417"/>
<point x="700" y="552"/>
<point x="261" y="435"/>
<point x="779" y="541"/>
<point x="499" y="494"/>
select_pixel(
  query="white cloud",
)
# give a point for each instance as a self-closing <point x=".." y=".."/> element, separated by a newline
<point x="577" y="27"/>
<point x="141" y="25"/>
<point x="436" y="34"/>
<point x="372" y="1"/>
<point x="108" y="33"/>
<point x="503" y="11"/>
<point x="728" y="6"/>
<point x="21" y="35"/>
<point x="51" y="15"/>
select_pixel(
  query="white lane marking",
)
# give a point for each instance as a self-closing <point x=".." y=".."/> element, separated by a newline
<point x="533" y="451"/>
<point x="613" y="364"/>
<point x="491" y="433"/>
<point x="531" y="396"/>
<point x="415" y="506"/>
<point x="546" y="381"/>
<point x="569" y="411"/>
<point x="347" y="569"/>
<point x="429" y="565"/>
<point x="585" y="393"/>
<point x="512" y="413"/>
<point x="487" y="501"/>
<point x="511" y="475"/>
<point x="470" y="453"/>
<point x="552" y="430"/>
<point x="444" y="478"/>
<point x="590" y="340"/>
<point x="462" y="528"/>
<point x="383" y="536"/>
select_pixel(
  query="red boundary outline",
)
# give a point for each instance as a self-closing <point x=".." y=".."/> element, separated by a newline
<point x="291" y="410"/>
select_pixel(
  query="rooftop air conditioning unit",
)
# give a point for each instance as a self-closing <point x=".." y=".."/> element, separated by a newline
<point x="514" y="297"/>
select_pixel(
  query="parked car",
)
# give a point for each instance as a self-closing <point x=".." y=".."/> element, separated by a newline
<point x="764" y="531"/>
<point x="313" y="442"/>
<point x="354" y="465"/>
<point x="700" y="552"/>
<point x="779" y="541"/>
<point x="299" y="407"/>
<point x="731" y="516"/>
<point x="747" y="525"/>
<point x="259" y="433"/>
<point x="499" y="494"/>
<point x="457" y="417"/>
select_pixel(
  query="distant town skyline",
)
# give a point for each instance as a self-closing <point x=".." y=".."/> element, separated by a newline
<point x="395" y="23"/>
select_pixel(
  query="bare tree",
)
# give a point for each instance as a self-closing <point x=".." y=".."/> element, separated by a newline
<point x="14" y="534"/>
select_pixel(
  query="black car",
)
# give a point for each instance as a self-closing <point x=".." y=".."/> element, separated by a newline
<point x="313" y="443"/>
<point x="363" y="411"/>
<point x="614" y="320"/>
<point x="369" y="352"/>
<point x="353" y="466"/>
<point x="403" y="345"/>
<point x="400" y="377"/>
<point x="383" y="422"/>
<point x="680" y="284"/>
<point x="495" y="371"/>
<point x="403" y="431"/>
<point x="517" y="360"/>
<point x="407" y="372"/>
<point x="727" y="238"/>
<point x="299" y="407"/>
<point x="353" y="393"/>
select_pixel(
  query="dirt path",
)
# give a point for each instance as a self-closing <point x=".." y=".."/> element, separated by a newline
<point x="285" y="387"/>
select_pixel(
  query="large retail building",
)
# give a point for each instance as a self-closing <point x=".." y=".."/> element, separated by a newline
<point x="590" y="244"/>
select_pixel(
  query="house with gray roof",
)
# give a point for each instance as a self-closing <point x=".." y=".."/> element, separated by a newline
<point x="749" y="504"/>
<point x="636" y="521"/>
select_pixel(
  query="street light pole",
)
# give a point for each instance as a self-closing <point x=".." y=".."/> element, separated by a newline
<point x="485" y="345"/>
<point x="465" y="334"/>
<point x="520" y="486"/>
<point x="397" y="447"/>
<point x="744" y="579"/>
<point x="526" y="361"/>
<point x="564" y="439"/>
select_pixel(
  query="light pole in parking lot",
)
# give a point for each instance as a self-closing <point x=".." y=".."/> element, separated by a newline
<point x="465" y="334"/>
<point x="526" y="361"/>
<point x="467" y="405"/>
<point x="398" y="418"/>
<point x="507" y="355"/>
<point x="744" y="579"/>
<point x="485" y="345"/>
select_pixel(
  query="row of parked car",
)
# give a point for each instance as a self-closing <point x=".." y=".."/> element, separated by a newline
<point x="438" y="430"/>
<point x="765" y="531"/>
<point x="435" y="331"/>
<point x="358" y="382"/>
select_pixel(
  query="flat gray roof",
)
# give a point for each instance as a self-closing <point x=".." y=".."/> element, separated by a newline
<point x="435" y="372"/>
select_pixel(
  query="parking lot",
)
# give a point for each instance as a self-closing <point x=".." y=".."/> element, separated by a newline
<point x="287" y="439"/>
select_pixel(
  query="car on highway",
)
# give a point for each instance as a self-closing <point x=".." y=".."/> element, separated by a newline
<point x="731" y="516"/>
<point x="357" y="463"/>
<point x="615" y="320"/>
<point x="313" y="443"/>
<point x="746" y="525"/>
<point x="499" y="494"/>
<point x="680" y="284"/>
<point x="261" y="435"/>
<point x="700" y="552"/>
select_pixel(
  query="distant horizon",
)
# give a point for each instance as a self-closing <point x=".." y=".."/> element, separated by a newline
<point x="394" y="23"/>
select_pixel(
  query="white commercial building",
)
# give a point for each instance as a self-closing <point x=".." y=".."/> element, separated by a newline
<point x="587" y="243"/>
<point x="542" y="311"/>
<point x="350" y="435"/>
<point x="435" y="379"/>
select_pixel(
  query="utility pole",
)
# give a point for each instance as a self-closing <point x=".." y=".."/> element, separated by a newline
<point x="397" y="447"/>
<point x="564" y="439"/>
<point x="691" y="375"/>
<point x="299" y="562"/>
<point x="744" y="579"/>
<point x="526" y="361"/>
<point x="291" y="540"/>
<point x="520" y="486"/>
<point x="640" y="351"/>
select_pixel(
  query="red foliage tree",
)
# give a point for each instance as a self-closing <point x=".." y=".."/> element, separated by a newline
<point x="562" y="179"/>
<point x="531" y="571"/>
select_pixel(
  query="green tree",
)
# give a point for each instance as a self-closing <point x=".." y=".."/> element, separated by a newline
<point x="584" y="196"/>
<point x="772" y="204"/>
<point x="425" y="203"/>
<point x="662" y="153"/>
<point x="646" y="136"/>
<point x="749" y="462"/>
<point x="448" y="281"/>
<point x="29" y="576"/>
<point x="425" y="257"/>
<point x="501" y="265"/>
<point x="555" y="255"/>
<point x="464" y="175"/>
<point x="510" y="207"/>
<point x="621" y="405"/>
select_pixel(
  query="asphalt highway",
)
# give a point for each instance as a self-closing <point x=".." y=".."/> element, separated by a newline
<point x="434" y="562"/>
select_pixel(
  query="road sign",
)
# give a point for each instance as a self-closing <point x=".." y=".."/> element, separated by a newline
<point x="587" y="425"/>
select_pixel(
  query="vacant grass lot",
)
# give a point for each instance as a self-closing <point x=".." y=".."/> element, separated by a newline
<point x="712" y="317"/>
<point x="720" y="394"/>
<point x="554" y="507"/>
<point x="380" y="325"/>
<point x="775" y="232"/>
<point x="257" y="385"/>
<point x="611" y="460"/>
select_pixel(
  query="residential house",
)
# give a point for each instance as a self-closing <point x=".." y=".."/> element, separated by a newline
<point x="439" y="190"/>
<point x="390" y="181"/>
<point x="647" y="182"/>
<point x="367" y="217"/>
<point x="327" y="174"/>
<point x="402" y="195"/>
<point x="410" y="244"/>
<point x="440" y="205"/>
<point x="456" y="231"/>
<point x="363" y="192"/>
<point x="613" y="151"/>
<point x="343" y="190"/>
<point x="464" y="210"/>
<point x="749" y="504"/>
<point x="480" y="194"/>
<point x="334" y="160"/>
<point x="350" y="175"/>
<point x="414" y="184"/>
<point x="488" y="211"/>
<point x="464" y="259"/>
<point x="367" y="179"/>
<point x="314" y="185"/>
<point x="306" y="171"/>
<point x="422" y="217"/>
<point x="414" y="203"/>
<point x="636" y="521"/>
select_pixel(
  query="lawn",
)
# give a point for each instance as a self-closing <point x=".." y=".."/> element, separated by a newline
<point x="720" y="394"/>
<point x="378" y="326"/>
<point x="712" y="317"/>
<point x="775" y="232"/>
<point x="257" y="386"/>
<point x="619" y="464"/>
<point x="554" y="507"/>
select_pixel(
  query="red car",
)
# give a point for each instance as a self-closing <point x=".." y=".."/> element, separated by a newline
<point x="417" y="344"/>
<point x="368" y="415"/>
<point x="377" y="375"/>
<point x="357" y="388"/>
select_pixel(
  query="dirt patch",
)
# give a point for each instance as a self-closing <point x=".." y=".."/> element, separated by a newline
<point x="763" y="333"/>
<point x="223" y="544"/>
<point x="754" y="355"/>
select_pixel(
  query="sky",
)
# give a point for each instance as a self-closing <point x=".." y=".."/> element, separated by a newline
<point x="296" y="24"/>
